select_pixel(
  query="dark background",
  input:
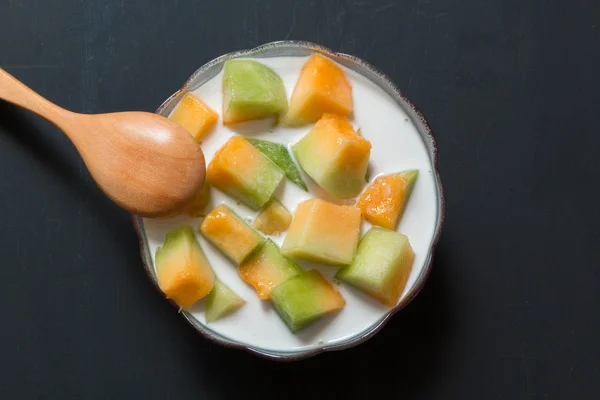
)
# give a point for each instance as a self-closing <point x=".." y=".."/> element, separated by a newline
<point x="512" y="307"/>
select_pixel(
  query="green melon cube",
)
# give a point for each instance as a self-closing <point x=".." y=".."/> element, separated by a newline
<point x="323" y="232"/>
<point x="251" y="90"/>
<point x="280" y="155"/>
<point x="304" y="298"/>
<point x="221" y="301"/>
<point x="382" y="265"/>
<point x="230" y="234"/>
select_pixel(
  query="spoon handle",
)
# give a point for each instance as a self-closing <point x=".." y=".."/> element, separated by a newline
<point x="13" y="91"/>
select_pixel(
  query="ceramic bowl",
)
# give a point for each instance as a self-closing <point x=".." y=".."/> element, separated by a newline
<point x="402" y="132"/>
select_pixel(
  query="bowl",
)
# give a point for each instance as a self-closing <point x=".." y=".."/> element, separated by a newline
<point x="403" y="134"/>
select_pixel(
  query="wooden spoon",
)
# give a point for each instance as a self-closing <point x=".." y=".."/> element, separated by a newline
<point x="145" y="163"/>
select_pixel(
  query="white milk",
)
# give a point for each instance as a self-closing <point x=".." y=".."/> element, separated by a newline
<point x="397" y="146"/>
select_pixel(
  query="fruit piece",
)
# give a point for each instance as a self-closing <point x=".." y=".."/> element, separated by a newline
<point x="196" y="207"/>
<point x="321" y="88"/>
<point x="251" y="90"/>
<point x="221" y="301"/>
<point x="279" y="154"/>
<point x="267" y="268"/>
<point x="382" y="265"/>
<point x="323" y="232"/>
<point x="194" y="116"/>
<point x="230" y="234"/>
<point x="334" y="156"/>
<point x="273" y="219"/>
<point x="383" y="201"/>
<point x="183" y="272"/>
<point x="304" y="298"/>
<point x="243" y="172"/>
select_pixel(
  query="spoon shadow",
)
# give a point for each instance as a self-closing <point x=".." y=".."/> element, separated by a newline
<point x="28" y="134"/>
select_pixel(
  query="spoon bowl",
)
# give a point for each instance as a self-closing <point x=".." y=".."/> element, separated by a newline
<point x="145" y="163"/>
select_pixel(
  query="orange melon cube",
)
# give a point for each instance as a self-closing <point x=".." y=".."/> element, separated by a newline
<point x="195" y="208"/>
<point x="243" y="172"/>
<point x="383" y="201"/>
<point x="323" y="232"/>
<point x="183" y="271"/>
<point x="321" y="88"/>
<point x="334" y="156"/>
<point x="230" y="234"/>
<point x="267" y="268"/>
<point x="305" y="298"/>
<point x="273" y="219"/>
<point x="194" y="116"/>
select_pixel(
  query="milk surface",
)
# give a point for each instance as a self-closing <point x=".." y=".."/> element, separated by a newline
<point x="397" y="146"/>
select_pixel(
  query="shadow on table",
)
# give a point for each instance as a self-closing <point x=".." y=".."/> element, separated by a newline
<point x="24" y="130"/>
<point x="401" y="359"/>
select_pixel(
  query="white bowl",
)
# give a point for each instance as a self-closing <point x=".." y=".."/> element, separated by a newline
<point x="401" y="139"/>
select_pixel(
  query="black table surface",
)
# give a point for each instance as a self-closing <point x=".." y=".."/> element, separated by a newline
<point x="512" y="307"/>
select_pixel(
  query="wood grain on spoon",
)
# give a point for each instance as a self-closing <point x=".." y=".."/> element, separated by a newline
<point x="144" y="162"/>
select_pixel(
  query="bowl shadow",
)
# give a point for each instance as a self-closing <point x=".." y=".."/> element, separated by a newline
<point x="401" y="359"/>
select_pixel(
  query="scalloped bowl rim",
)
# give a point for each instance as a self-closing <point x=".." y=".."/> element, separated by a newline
<point x="201" y="76"/>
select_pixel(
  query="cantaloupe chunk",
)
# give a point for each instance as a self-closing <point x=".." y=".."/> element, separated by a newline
<point x="230" y="234"/>
<point x="183" y="271"/>
<point x="304" y="298"/>
<point x="382" y="265"/>
<point x="383" y="201"/>
<point x="222" y="301"/>
<point x="334" y="156"/>
<point x="323" y="232"/>
<point x="273" y="219"/>
<point x="251" y="90"/>
<point x="196" y="208"/>
<point x="243" y="172"/>
<point x="267" y="268"/>
<point x="321" y="88"/>
<point x="194" y="116"/>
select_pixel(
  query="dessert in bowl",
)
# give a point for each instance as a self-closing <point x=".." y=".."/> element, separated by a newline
<point x="322" y="207"/>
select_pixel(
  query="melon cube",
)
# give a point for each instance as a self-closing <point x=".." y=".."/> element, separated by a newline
<point x="383" y="201"/>
<point x="279" y="154"/>
<point x="251" y="90"/>
<point x="230" y="234"/>
<point x="196" y="207"/>
<point x="273" y="219"/>
<point x="382" y="265"/>
<point x="266" y="268"/>
<point x="182" y="270"/>
<point x="304" y="298"/>
<point x="321" y="88"/>
<point x="334" y="156"/>
<point x="221" y="301"/>
<point x="243" y="172"/>
<point x="194" y="116"/>
<point x="323" y="232"/>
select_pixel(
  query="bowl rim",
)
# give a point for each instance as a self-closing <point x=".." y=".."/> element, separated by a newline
<point x="426" y="133"/>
